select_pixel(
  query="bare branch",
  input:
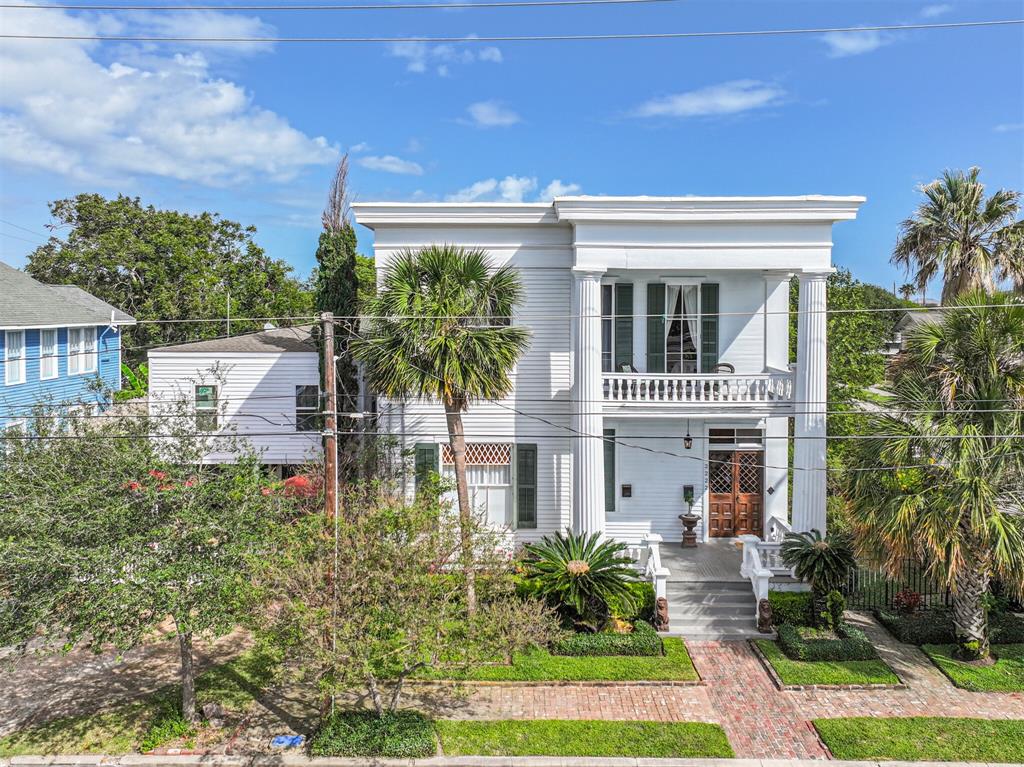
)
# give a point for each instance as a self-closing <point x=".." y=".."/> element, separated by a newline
<point x="336" y="213"/>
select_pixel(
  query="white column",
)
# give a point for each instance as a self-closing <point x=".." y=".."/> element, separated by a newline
<point x="810" y="406"/>
<point x="587" y="395"/>
<point x="640" y="325"/>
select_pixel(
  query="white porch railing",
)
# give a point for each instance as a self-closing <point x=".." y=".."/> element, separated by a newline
<point x="771" y="547"/>
<point x="754" y="568"/>
<point x="765" y="388"/>
<point x="648" y="562"/>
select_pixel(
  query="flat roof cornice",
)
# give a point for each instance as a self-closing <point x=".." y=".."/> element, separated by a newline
<point x="372" y="214"/>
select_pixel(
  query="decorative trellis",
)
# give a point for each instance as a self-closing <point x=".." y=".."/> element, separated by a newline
<point x="481" y="454"/>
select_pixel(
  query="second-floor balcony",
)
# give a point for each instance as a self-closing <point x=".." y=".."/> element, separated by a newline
<point x="772" y="390"/>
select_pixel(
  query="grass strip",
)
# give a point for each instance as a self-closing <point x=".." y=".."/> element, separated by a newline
<point x="922" y="738"/>
<point x="831" y="672"/>
<point x="402" y="735"/>
<point x="1005" y="675"/>
<point x="553" y="737"/>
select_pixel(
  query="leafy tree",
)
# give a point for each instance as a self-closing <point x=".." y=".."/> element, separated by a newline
<point x="440" y="330"/>
<point x="376" y="595"/>
<point x="976" y="242"/>
<point x="908" y="290"/>
<point x="168" y="265"/>
<point x="825" y="563"/>
<point x="108" y="532"/>
<point x="956" y="500"/>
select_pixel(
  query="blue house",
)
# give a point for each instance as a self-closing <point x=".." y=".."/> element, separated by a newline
<point x="59" y="347"/>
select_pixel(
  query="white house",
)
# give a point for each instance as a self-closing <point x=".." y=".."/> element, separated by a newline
<point x="658" y="364"/>
<point x="263" y="387"/>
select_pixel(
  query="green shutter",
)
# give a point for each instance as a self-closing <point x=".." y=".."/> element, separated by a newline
<point x="526" y="486"/>
<point x="426" y="460"/>
<point x="609" y="469"/>
<point x="655" y="327"/>
<point x="623" y="325"/>
<point x="708" y="326"/>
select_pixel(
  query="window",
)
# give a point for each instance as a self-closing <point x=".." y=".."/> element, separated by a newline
<point x="489" y="477"/>
<point x="81" y="350"/>
<point x="48" y="353"/>
<point x="14" y="357"/>
<point x="743" y="438"/>
<point x="609" y="469"/>
<point x="206" y="408"/>
<point x="307" y="408"/>
<point x="617" y="327"/>
<point x="682" y="327"/>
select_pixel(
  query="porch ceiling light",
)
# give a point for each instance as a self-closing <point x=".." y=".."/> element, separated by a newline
<point x="687" y="440"/>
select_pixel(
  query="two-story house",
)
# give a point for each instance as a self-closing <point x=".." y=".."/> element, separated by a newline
<point x="60" y="347"/>
<point x="658" y="369"/>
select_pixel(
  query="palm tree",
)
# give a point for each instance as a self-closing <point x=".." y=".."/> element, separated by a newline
<point x="440" y="328"/>
<point x="955" y="500"/>
<point x="907" y="290"/>
<point x="825" y="563"/>
<point x="975" y="242"/>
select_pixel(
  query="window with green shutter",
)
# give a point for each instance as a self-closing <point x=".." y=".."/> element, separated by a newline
<point x="708" y="326"/>
<point x="609" y="469"/>
<point x="655" y="327"/>
<point x="623" y="325"/>
<point x="526" y="486"/>
<point x="426" y="460"/>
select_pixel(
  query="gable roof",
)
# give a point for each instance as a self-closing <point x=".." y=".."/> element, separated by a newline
<point x="27" y="303"/>
<point x="298" y="339"/>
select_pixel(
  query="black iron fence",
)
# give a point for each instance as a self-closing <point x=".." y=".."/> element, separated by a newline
<point x="868" y="588"/>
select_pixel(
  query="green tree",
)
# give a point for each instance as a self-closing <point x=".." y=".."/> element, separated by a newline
<point x="167" y="265"/>
<point x="908" y="290"/>
<point x="956" y="499"/>
<point x="974" y="241"/>
<point x="441" y="329"/>
<point x="108" y="532"/>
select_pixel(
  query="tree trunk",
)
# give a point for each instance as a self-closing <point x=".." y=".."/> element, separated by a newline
<point x="188" y="677"/>
<point x="969" y="616"/>
<point x="371" y="685"/>
<point x="453" y="414"/>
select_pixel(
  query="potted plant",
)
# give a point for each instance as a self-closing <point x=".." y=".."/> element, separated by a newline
<point x="689" y="519"/>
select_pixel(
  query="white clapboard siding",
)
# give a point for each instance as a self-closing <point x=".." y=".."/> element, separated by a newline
<point x="258" y="392"/>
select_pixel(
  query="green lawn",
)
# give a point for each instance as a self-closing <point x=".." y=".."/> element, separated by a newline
<point x="148" y="723"/>
<point x="1006" y="675"/>
<point x="541" y="666"/>
<point x="547" y="737"/>
<point x="921" y="738"/>
<point x="796" y="672"/>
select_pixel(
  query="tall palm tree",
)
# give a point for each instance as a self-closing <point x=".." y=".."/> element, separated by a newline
<point x="907" y="290"/>
<point x="956" y="500"/>
<point x="440" y="328"/>
<point x="976" y="242"/>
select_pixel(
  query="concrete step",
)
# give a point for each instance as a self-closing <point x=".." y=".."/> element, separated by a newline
<point x="719" y="635"/>
<point x="711" y="621"/>
<point x="706" y="586"/>
<point x="698" y="598"/>
<point x="712" y="610"/>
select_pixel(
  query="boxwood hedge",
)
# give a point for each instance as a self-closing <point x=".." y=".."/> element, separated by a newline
<point x="850" y="644"/>
<point x="935" y="626"/>
<point x="642" y="640"/>
<point x="795" y="608"/>
<point x="401" y="735"/>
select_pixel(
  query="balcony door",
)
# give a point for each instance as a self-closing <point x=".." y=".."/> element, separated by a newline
<point x="682" y="327"/>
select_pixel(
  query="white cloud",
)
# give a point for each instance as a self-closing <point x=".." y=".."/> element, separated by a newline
<point x="842" y="44"/>
<point x="491" y="114"/>
<point x="390" y="164"/>
<point x="510" y="189"/>
<point x="359" y="148"/>
<point x="931" y="11"/>
<point x="420" y="57"/>
<point x="1008" y="127"/>
<point x="723" y="99"/>
<point x="146" y="113"/>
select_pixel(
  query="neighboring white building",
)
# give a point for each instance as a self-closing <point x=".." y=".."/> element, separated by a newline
<point x="652" y="319"/>
<point x="263" y="386"/>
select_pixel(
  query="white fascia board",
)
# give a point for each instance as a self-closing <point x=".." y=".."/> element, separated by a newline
<point x="707" y="209"/>
<point x="373" y="214"/>
<point x="168" y="355"/>
<point x="98" y="323"/>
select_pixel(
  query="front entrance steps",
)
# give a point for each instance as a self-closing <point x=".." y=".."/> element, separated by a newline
<point x="711" y="610"/>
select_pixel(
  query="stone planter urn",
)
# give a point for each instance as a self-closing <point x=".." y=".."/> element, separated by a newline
<point x="689" y="520"/>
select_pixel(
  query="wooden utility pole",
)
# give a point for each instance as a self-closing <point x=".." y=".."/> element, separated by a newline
<point x="330" y="419"/>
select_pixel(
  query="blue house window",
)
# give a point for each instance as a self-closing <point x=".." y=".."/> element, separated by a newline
<point x="48" y="353"/>
<point x="14" y="357"/>
<point x="81" y="350"/>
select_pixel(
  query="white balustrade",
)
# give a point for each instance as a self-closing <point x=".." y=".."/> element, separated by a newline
<point x="648" y="559"/>
<point x="698" y="388"/>
<point x="754" y="568"/>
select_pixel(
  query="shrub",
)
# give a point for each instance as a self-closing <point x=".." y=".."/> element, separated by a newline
<point x="906" y="601"/>
<point x="643" y="603"/>
<point x="835" y="606"/>
<point x="931" y="626"/>
<point x="795" y="608"/>
<point x="825" y="563"/>
<point x="850" y="644"/>
<point x="642" y="640"/>
<point x="401" y="735"/>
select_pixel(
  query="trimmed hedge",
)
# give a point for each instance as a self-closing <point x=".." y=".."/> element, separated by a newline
<point x="794" y="608"/>
<point x="643" y="603"/>
<point x="852" y="644"/>
<point x="643" y="640"/>
<point x="935" y="626"/>
<point x="401" y="735"/>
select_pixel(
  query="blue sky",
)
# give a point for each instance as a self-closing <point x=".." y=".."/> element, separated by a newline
<point x="253" y="131"/>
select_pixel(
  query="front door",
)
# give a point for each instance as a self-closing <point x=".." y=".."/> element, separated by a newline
<point x="735" y="493"/>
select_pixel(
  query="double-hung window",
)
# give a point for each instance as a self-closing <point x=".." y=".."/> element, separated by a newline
<point x="81" y="350"/>
<point x="489" y="477"/>
<point x="617" y="327"/>
<point x="14" y="357"/>
<point x="48" y="353"/>
<point x="206" y="408"/>
<point x="307" y="408"/>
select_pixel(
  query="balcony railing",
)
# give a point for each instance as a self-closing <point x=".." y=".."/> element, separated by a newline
<point x="697" y="388"/>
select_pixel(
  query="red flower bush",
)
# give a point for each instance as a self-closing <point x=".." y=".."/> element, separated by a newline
<point x="906" y="601"/>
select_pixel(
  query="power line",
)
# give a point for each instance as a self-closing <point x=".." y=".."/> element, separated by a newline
<point x="353" y="7"/>
<point x="16" y="237"/>
<point x="520" y="38"/>
<point x="22" y="228"/>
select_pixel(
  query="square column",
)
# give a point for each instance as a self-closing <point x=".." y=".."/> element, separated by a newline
<point x="809" y="480"/>
<point x="587" y="394"/>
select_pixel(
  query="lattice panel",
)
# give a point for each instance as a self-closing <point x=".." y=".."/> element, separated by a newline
<point x="720" y="473"/>
<point x="481" y="454"/>
<point x="750" y="472"/>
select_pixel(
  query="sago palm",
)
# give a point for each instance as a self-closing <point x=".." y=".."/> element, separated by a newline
<point x="825" y="563"/>
<point x="440" y="329"/>
<point x="956" y="499"/>
<point x="976" y="242"/>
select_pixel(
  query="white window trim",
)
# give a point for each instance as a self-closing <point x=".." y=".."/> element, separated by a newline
<point x="43" y="358"/>
<point x="86" y="359"/>
<point x="513" y="501"/>
<point x="19" y="361"/>
<point x="682" y="284"/>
